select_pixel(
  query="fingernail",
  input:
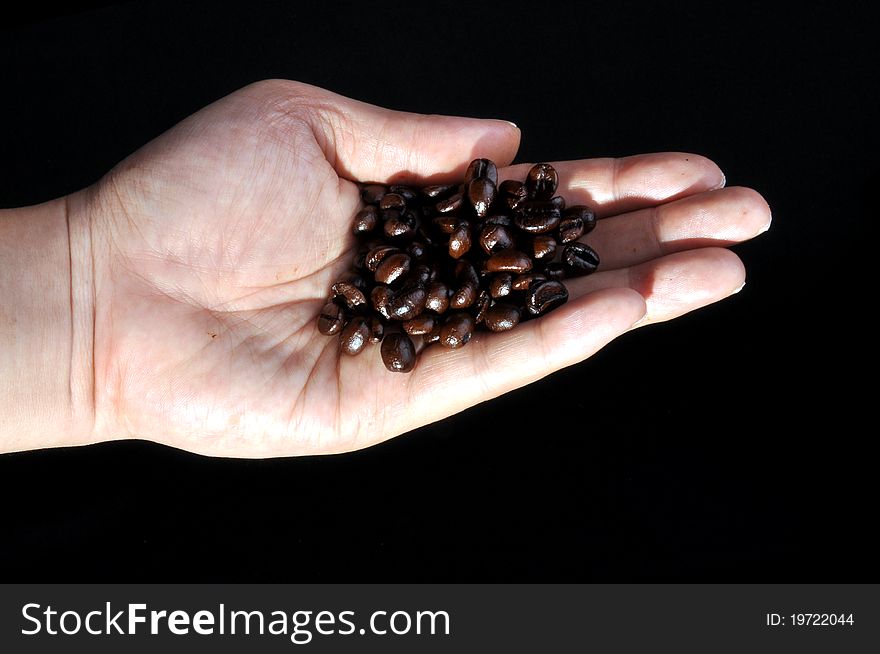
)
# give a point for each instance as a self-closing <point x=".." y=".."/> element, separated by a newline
<point x="767" y="226"/>
<point x="739" y="289"/>
<point x="722" y="183"/>
<point x="510" y="122"/>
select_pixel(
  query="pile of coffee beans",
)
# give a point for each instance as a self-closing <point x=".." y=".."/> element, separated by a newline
<point x="439" y="262"/>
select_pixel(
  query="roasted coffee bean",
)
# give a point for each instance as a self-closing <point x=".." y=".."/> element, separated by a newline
<point x="537" y="216"/>
<point x="392" y="201"/>
<point x="481" y="168"/>
<point x="400" y="229"/>
<point x="398" y="352"/>
<point x="501" y="317"/>
<point x="377" y="329"/>
<point x="438" y="191"/>
<point x="446" y="224"/>
<point x="378" y="254"/>
<point x="408" y="303"/>
<point x="545" y="296"/>
<point x="355" y="280"/>
<point x="494" y="238"/>
<point x="509" y="260"/>
<point x="354" y="336"/>
<point x="372" y="193"/>
<point x="576" y="221"/>
<point x="525" y="282"/>
<point x="460" y="240"/>
<point x="558" y="202"/>
<point x="579" y="259"/>
<point x="466" y="273"/>
<point x="353" y="296"/>
<point x="365" y="220"/>
<point x="359" y="261"/>
<point x="419" y="325"/>
<point x="451" y="204"/>
<point x="390" y="214"/>
<point x="437" y="299"/>
<point x="544" y="247"/>
<point x="555" y="270"/>
<point x="422" y="275"/>
<point x="481" y="194"/>
<point x="457" y="330"/>
<point x="392" y="268"/>
<point x="434" y="335"/>
<point x="541" y="182"/>
<point x="408" y="193"/>
<point x="504" y="221"/>
<point x="417" y="250"/>
<point x="501" y="285"/>
<point x="464" y="297"/>
<point x="481" y="305"/>
<point x="330" y="319"/>
<point x="513" y="193"/>
<point x="381" y="297"/>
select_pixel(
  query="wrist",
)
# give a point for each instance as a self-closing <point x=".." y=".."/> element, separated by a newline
<point x="46" y="326"/>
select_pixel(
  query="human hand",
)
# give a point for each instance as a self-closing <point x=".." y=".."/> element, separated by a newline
<point x="214" y="246"/>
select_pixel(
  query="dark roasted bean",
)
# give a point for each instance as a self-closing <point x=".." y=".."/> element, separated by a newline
<point x="464" y="297"/>
<point x="481" y="194"/>
<point x="555" y="270"/>
<point x="434" y="335"/>
<point x="419" y="325"/>
<point x="400" y="229"/>
<point x="497" y="219"/>
<point x="558" y="202"/>
<point x="481" y="168"/>
<point x="545" y="296"/>
<point x="378" y="254"/>
<point x="501" y="285"/>
<point x="513" y="193"/>
<point x="579" y="259"/>
<point x="365" y="220"/>
<point x="372" y="193"/>
<point x="408" y="193"/>
<point x="466" y="273"/>
<point x="537" y="217"/>
<point x="501" y="317"/>
<point x="494" y="238"/>
<point x="437" y="299"/>
<point x="408" y="303"/>
<point x="330" y="319"/>
<point x="381" y="297"/>
<point x="450" y="204"/>
<point x="544" y="247"/>
<point x="525" y="282"/>
<point x="398" y="352"/>
<point x="482" y="305"/>
<point x="355" y="280"/>
<point x="392" y="201"/>
<point x="354" y="336"/>
<point x="576" y="221"/>
<point x="359" y="261"/>
<point x="509" y="260"/>
<point x="392" y="268"/>
<point x="422" y="275"/>
<point x="446" y="224"/>
<point x="460" y="240"/>
<point x="541" y="182"/>
<point x="353" y="296"/>
<point x="416" y="250"/>
<point x="377" y="329"/>
<point x="438" y="191"/>
<point x="457" y="330"/>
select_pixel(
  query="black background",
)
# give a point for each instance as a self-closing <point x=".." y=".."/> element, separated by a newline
<point x="726" y="446"/>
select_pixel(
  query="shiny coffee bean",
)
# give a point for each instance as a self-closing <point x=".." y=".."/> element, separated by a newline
<point x="438" y="191"/>
<point x="513" y="193"/>
<point x="408" y="193"/>
<point x="466" y="273"/>
<point x="494" y="238"/>
<point x="545" y="296"/>
<point x="398" y="352"/>
<point x="457" y="330"/>
<point x="365" y="220"/>
<point x="373" y="193"/>
<point x="434" y="335"/>
<point x="381" y="297"/>
<point x="419" y="325"/>
<point x="501" y="285"/>
<point x="504" y="221"/>
<point x="481" y="168"/>
<point x="418" y="251"/>
<point x="541" y="182"/>
<point x="437" y="299"/>
<point x="544" y="247"/>
<point x="392" y="201"/>
<point x="392" y="268"/>
<point x="481" y="194"/>
<point x="558" y="202"/>
<point x="579" y="259"/>
<point x="578" y="216"/>
<point x="525" y="282"/>
<point x="355" y="280"/>
<point x="354" y="336"/>
<point x="377" y="255"/>
<point x="509" y="260"/>
<point x="331" y="319"/>
<point x="422" y="275"/>
<point x="450" y="205"/>
<point x="464" y="297"/>
<point x="460" y="240"/>
<point x="481" y="306"/>
<point x="501" y="317"/>
<point x="377" y="329"/>
<point x="399" y="229"/>
<point x="408" y="303"/>
<point x="537" y="217"/>
<point x="353" y="296"/>
<point x="555" y="270"/>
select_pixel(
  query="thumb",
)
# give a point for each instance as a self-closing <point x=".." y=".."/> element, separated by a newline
<point x="368" y="143"/>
